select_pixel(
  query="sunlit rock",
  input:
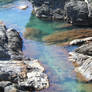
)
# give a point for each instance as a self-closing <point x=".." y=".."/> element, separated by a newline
<point x="80" y="41"/>
<point x="22" y="7"/>
<point x="28" y="74"/>
<point x="83" y="57"/>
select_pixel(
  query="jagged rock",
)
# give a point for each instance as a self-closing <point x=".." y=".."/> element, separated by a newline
<point x="3" y="42"/>
<point x="28" y="75"/>
<point x="78" y="58"/>
<point x="19" y="73"/>
<point x="36" y="80"/>
<point x="76" y="12"/>
<point x="86" y="69"/>
<point x="14" y="40"/>
<point x="49" y="10"/>
<point x="85" y="49"/>
<point x="83" y="57"/>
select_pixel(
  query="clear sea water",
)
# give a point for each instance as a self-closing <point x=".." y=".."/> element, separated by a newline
<point x="53" y="57"/>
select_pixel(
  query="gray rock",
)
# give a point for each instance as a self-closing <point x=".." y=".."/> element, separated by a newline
<point x="18" y="73"/>
<point x="86" y="69"/>
<point x="23" y="75"/>
<point x="83" y="57"/>
<point x="10" y="88"/>
<point x="76" y="12"/>
<point x="78" y="58"/>
<point x="49" y="10"/>
<point x="80" y="41"/>
<point x="85" y="49"/>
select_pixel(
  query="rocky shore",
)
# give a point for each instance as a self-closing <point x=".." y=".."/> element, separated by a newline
<point x="82" y="57"/>
<point x="18" y="73"/>
<point x="76" y="12"/>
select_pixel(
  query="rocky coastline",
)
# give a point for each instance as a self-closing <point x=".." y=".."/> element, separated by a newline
<point x="82" y="58"/>
<point x="18" y="73"/>
<point x="76" y="12"/>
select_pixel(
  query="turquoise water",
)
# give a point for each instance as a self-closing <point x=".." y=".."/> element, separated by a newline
<point x="54" y="58"/>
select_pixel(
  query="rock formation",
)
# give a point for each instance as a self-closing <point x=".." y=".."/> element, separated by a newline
<point x="76" y="12"/>
<point x="82" y="56"/>
<point x="48" y="9"/>
<point x="17" y="72"/>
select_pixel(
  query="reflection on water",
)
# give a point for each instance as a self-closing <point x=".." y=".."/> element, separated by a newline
<point x="54" y="58"/>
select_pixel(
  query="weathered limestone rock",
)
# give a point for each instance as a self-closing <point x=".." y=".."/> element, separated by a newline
<point x="17" y="72"/>
<point x="86" y="69"/>
<point x="29" y="75"/>
<point x="83" y="57"/>
<point x="48" y="9"/>
<point x="76" y="12"/>
<point x="80" y="41"/>
<point x="85" y="49"/>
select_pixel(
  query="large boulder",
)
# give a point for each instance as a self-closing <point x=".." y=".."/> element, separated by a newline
<point x="10" y="44"/>
<point x="17" y="72"/>
<point x="48" y="9"/>
<point x="22" y="75"/>
<point x="82" y="57"/>
<point x="76" y="12"/>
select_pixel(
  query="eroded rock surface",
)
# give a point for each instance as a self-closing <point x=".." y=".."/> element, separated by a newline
<point x="48" y="9"/>
<point x="76" y="12"/>
<point x="24" y="75"/>
<point x="82" y="56"/>
<point x="17" y="72"/>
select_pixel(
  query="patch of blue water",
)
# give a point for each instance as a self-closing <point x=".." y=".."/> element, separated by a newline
<point x="14" y="17"/>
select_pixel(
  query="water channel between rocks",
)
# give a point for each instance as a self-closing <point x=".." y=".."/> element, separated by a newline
<point x="54" y="56"/>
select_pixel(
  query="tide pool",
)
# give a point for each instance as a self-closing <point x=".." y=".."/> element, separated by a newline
<point x="53" y="57"/>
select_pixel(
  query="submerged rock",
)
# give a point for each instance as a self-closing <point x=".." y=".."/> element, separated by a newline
<point x="66" y="36"/>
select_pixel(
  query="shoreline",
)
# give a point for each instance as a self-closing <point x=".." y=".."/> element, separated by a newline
<point x="21" y="72"/>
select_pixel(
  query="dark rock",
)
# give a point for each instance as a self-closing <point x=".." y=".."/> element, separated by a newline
<point x="15" y="44"/>
<point x="3" y="43"/>
<point x="14" y="40"/>
<point x="76" y="12"/>
<point x="48" y="9"/>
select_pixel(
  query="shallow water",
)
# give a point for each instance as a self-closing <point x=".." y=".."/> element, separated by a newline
<point x="54" y="58"/>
